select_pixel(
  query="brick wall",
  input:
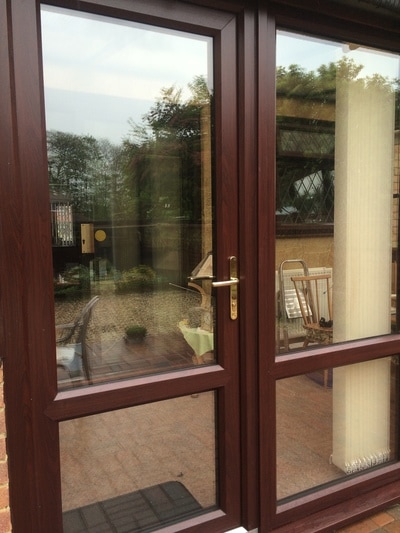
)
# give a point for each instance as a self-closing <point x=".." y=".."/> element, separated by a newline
<point x="5" y="522"/>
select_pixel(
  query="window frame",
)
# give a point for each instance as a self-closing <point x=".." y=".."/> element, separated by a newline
<point x="373" y="489"/>
<point x="30" y="385"/>
<point x="35" y="407"/>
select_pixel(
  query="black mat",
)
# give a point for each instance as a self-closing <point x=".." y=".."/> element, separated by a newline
<point x="144" y="510"/>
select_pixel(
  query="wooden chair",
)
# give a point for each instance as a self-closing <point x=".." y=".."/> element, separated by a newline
<point x="71" y="343"/>
<point x="314" y="295"/>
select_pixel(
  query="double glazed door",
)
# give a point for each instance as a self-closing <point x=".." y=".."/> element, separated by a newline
<point x="199" y="294"/>
<point x="133" y="178"/>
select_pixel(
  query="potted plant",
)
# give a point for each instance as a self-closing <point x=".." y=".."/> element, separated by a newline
<point x="135" y="334"/>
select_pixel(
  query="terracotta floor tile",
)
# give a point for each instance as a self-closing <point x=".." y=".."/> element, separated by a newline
<point x="384" y="522"/>
<point x="394" y="527"/>
<point x="394" y="511"/>
<point x="365" y="526"/>
<point x="382" y="519"/>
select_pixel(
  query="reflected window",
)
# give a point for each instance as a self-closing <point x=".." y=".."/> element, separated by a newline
<point x="305" y="177"/>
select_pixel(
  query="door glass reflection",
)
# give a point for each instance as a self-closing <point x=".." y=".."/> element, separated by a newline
<point x="337" y="192"/>
<point x="141" y="468"/>
<point x="337" y="244"/>
<point x="128" y="119"/>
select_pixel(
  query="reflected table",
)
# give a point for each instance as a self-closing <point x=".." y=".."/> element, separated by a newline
<point x="200" y="340"/>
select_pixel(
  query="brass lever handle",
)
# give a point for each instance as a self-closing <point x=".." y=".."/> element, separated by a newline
<point x="226" y="283"/>
<point x="232" y="282"/>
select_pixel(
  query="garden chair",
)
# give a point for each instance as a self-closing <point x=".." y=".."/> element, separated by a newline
<point x="72" y="354"/>
<point x="314" y="295"/>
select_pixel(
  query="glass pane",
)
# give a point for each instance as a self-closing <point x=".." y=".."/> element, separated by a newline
<point x="128" y="117"/>
<point x="139" y="468"/>
<point x="337" y="192"/>
<point x="335" y="423"/>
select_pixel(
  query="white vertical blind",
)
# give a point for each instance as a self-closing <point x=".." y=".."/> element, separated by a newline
<point x="362" y="267"/>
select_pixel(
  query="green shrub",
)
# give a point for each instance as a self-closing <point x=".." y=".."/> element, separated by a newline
<point x="136" y="331"/>
<point x="75" y="283"/>
<point x="138" y="279"/>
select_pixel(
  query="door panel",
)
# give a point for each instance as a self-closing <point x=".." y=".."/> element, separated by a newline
<point x="133" y="192"/>
<point x="175" y="192"/>
<point x="160" y="419"/>
<point x="336" y="234"/>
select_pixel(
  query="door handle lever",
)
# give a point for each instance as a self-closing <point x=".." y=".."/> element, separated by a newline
<point x="232" y="283"/>
<point x="226" y="283"/>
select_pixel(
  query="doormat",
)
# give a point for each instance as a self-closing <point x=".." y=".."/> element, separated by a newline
<point x="144" y="510"/>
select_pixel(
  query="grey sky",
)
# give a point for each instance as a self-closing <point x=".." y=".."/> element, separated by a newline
<point x="311" y="52"/>
<point x="100" y="72"/>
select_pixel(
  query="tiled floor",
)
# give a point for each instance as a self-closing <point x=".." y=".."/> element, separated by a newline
<point x="119" y="452"/>
<point x="304" y="435"/>
<point x="181" y="434"/>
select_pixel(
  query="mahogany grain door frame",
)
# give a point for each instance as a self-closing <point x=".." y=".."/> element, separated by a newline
<point x="326" y="507"/>
<point x="246" y="373"/>
<point x="34" y="406"/>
